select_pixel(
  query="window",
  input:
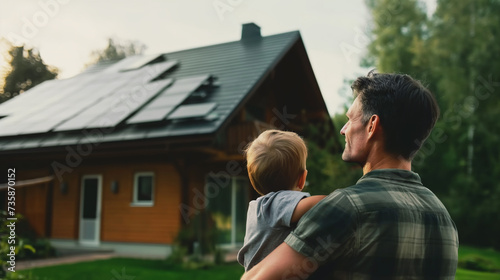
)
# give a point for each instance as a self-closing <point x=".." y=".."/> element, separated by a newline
<point x="228" y="202"/>
<point x="143" y="189"/>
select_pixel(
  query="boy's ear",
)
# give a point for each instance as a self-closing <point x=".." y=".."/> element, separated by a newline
<point x="302" y="180"/>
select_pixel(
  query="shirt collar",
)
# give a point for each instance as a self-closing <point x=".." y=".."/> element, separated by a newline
<point x="393" y="174"/>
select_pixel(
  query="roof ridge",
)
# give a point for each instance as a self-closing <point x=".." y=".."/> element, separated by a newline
<point x="232" y="42"/>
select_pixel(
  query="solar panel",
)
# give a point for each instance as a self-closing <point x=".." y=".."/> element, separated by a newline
<point x="32" y="99"/>
<point x="165" y="100"/>
<point x="67" y="99"/>
<point x="40" y="104"/>
<point x="189" y="84"/>
<point x="153" y="71"/>
<point x="16" y="103"/>
<point x="128" y="103"/>
<point x="122" y="63"/>
<point x="151" y="115"/>
<point x="132" y="86"/>
<point x="140" y="62"/>
<point x="169" y="98"/>
<point x="38" y="127"/>
<point x="88" y="100"/>
<point x="6" y="130"/>
<point x="192" y="111"/>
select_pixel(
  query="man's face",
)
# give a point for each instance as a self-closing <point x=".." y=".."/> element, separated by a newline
<point x="355" y="135"/>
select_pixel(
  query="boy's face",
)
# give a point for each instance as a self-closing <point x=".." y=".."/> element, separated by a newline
<point x="356" y="135"/>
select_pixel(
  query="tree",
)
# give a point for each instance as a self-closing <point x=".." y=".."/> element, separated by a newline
<point x="27" y="70"/>
<point x="326" y="169"/>
<point x="116" y="51"/>
<point x="464" y="41"/>
<point x="454" y="52"/>
<point x="396" y="27"/>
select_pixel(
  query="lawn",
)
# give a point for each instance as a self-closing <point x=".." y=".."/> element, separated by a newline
<point x="132" y="269"/>
<point x="137" y="269"/>
<point x="489" y="257"/>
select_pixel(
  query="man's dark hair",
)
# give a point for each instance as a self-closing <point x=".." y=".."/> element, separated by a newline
<point x="407" y="110"/>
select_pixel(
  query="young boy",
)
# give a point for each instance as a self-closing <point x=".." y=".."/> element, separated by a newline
<point x="276" y="163"/>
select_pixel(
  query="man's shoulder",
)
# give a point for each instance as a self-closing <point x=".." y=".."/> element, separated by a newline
<point x="362" y="187"/>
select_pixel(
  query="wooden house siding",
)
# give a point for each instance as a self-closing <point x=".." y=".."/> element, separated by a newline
<point x="124" y="222"/>
<point x="31" y="200"/>
<point x="31" y="203"/>
<point x="121" y="221"/>
<point x="66" y="207"/>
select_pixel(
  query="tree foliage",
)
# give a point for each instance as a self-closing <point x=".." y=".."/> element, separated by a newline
<point x="326" y="169"/>
<point x="453" y="52"/>
<point x="116" y="50"/>
<point x="27" y="70"/>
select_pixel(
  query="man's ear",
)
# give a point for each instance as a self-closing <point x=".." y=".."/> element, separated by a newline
<point x="373" y="126"/>
<point x="302" y="180"/>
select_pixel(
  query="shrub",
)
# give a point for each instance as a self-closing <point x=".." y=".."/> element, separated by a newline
<point x="478" y="263"/>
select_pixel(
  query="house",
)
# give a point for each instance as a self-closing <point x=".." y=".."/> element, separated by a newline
<point x="127" y="153"/>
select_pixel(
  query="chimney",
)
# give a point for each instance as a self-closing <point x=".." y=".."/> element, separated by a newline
<point x="250" y="31"/>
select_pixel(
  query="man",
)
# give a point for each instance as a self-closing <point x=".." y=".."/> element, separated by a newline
<point x="388" y="225"/>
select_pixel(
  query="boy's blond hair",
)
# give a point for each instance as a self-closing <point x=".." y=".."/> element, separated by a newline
<point x="275" y="161"/>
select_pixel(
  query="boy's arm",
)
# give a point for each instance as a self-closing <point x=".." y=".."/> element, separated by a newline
<point x="283" y="263"/>
<point x="304" y="205"/>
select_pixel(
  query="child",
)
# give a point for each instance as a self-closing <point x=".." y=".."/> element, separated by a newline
<point x="276" y="163"/>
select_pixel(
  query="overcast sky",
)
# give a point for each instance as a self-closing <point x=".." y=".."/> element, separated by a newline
<point x="66" y="31"/>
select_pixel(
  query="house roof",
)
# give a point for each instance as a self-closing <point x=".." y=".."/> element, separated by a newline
<point x="189" y="92"/>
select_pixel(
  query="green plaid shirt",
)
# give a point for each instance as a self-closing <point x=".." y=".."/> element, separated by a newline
<point x="387" y="226"/>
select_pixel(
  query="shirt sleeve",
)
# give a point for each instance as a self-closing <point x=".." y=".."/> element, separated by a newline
<point x="327" y="230"/>
<point x="279" y="206"/>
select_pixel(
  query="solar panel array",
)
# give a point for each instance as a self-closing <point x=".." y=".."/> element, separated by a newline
<point x="131" y="91"/>
<point x="76" y="102"/>
<point x="165" y="102"/>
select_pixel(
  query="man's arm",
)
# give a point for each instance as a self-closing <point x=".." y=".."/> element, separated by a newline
<point x="304" y="205"/>
<point x="283" y="263"/>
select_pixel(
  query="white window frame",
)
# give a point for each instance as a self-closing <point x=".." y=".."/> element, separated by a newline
<point x="135" y="190"/>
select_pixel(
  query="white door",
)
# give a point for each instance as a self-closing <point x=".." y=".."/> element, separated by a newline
<point x="90" y="210"/>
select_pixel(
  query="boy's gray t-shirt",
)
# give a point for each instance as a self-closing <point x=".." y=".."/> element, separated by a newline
<point x="268" y="224"/>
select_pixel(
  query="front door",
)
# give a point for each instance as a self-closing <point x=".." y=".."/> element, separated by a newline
<point x="90" y="210"/>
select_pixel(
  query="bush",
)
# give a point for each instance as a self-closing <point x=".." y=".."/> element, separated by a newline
<point x="177" y="256"/>
<point x="5" y="247"/>
<point x="478" y="263"/>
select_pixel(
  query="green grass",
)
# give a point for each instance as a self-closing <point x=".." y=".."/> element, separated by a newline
<point x="488" y="256"/>
<point x="463" y="274"/>
<point x="136" y="269"/>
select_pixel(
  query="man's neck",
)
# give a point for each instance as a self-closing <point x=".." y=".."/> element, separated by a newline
<point x="385" y="162"/>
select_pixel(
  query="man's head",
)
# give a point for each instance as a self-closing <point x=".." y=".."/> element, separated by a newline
<point x="276" y="160"/>
<point x="402" y="108"/>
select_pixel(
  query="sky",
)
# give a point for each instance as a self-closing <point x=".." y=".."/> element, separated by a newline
<point x="66" y="31"/>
